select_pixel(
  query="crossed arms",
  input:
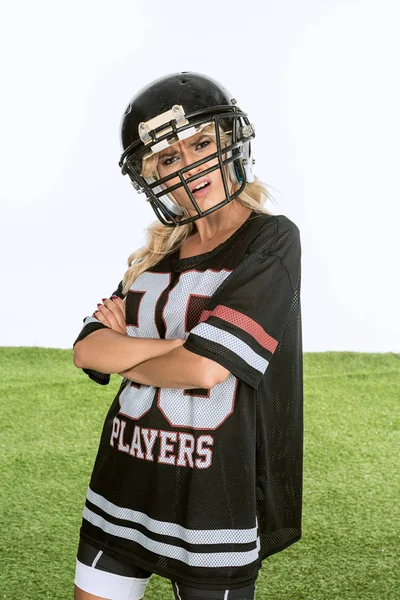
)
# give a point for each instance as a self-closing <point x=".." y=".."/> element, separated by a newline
<point x="155" y="362"/>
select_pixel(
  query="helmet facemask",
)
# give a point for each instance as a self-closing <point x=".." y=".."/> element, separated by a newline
<point x="232" y="132"/>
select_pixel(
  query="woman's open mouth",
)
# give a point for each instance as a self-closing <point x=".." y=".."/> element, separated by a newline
<point x="202" y="188"/>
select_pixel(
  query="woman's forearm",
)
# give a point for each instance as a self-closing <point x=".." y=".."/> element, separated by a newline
<point x="178" y="369"/>
<point x="108" y="351"/>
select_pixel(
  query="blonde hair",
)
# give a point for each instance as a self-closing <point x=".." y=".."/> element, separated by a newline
<point x="163" y="240"/>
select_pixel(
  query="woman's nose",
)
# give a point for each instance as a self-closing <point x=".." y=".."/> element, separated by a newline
<point x="188" y="160"/>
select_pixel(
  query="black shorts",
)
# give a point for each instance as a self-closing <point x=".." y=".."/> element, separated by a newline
<point x="100" y="574"/>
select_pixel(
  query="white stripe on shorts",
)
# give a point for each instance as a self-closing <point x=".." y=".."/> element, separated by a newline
<point x="179" y="598"/>
<point x="108" y="585"/>
<point x="177" y="591"/>
<point x="94" y="563"/>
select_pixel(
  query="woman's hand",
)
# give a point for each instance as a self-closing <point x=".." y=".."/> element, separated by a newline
<point x="112" y="314"/>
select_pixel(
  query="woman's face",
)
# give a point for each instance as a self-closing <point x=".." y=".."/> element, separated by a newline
<point x="208" y="191"/>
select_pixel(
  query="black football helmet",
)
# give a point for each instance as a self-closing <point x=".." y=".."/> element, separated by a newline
<point x="173" y="108"/>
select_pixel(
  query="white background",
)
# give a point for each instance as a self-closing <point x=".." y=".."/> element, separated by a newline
<point x="319" y="80"/>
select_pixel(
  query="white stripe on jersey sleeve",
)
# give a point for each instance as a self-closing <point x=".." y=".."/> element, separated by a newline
<point x="232" y="343"/>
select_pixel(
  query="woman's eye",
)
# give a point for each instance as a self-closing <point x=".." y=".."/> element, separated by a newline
<point x="203" y="144"/>
<point x="168" y="161"/>
<point x="171" y="159"/>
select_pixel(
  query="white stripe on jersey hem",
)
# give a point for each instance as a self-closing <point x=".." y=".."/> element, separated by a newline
<point x="177" y="591"/>
<point x="94" y="563"/>
<point x="194" y="559"/>
<point x="232" y="343"/>
<point x="191" y="536"/>
<point x="226" y="595"/>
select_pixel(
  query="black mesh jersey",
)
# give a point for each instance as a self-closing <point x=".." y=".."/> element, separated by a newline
<point x="201" y="485"/>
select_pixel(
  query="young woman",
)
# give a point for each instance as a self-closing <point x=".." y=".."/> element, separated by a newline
<point x="198" y="476"/>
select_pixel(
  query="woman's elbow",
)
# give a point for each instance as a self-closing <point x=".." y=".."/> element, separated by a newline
<point x="76" y="357"/>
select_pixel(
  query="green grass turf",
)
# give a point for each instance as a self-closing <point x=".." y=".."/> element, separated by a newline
<point x="50" y="421"/>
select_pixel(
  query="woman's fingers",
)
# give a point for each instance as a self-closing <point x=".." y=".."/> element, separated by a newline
<point x="101" y="317"/>
<point x="107" y="316"/>
<point x="113" y="313"/>
<point x="121" y="305"/>
<point x="117" y="306"/>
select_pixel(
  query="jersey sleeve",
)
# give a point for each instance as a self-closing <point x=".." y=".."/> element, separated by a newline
<point x="91" y="324"/>
<point x="244" y="320"/>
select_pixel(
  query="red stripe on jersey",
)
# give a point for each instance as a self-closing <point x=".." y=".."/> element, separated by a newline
<point x="243" y="322"/>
